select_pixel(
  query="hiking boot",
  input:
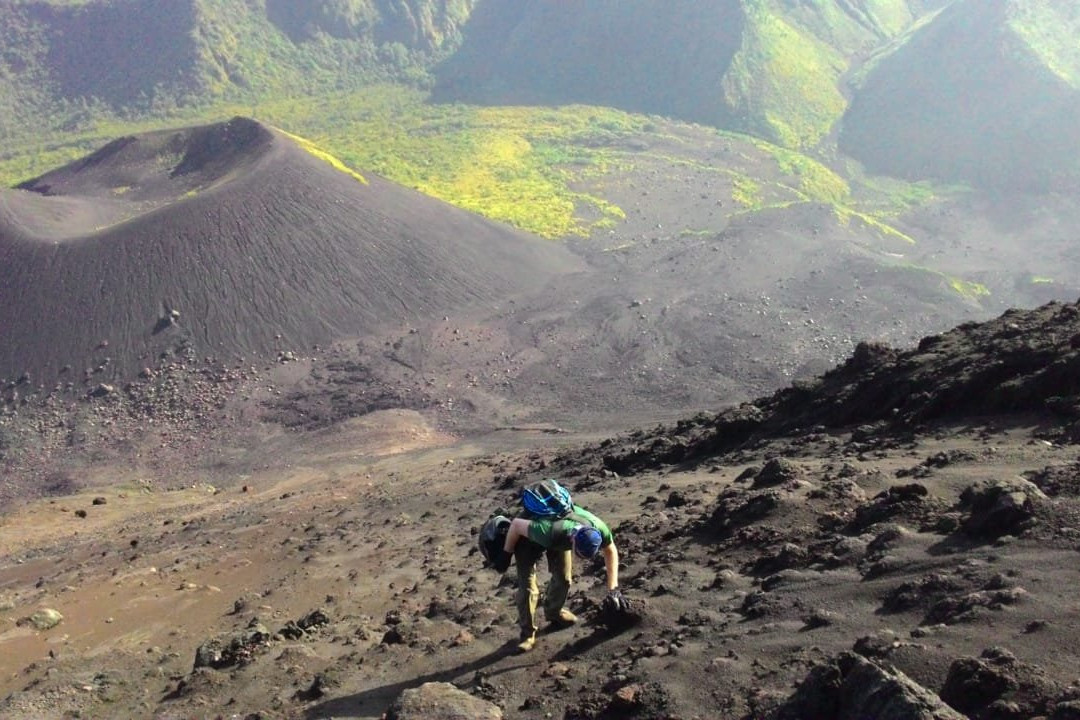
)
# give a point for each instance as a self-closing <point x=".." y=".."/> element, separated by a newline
<point x="528" y="642"/>
<point x="565" y="618"/>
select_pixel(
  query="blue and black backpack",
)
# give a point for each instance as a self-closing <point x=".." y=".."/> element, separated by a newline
<point x="547" y="500"/>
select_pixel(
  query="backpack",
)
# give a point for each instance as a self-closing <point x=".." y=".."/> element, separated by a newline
<point x="546" y="500"/>
<point x="492" y="536"/>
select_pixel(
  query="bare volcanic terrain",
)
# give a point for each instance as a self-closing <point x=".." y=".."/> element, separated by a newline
<point x="895" y="539"/>
<point x="230" y="239"/>
<point x="247" y="525"/>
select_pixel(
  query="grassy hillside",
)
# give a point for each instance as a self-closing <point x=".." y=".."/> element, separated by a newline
<point x="1050" y="30"/>
<point x="880" y="75"/>
<point x="68" y="63"/>
<point x="633" y="54"/>
<point x="520" y="165"/>
<point x="995" y="104"/>
<point x="786" y="79"/>
<point x="766" y="67"/>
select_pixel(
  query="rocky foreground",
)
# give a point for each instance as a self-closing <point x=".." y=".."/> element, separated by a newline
<point x="897" y="539"/>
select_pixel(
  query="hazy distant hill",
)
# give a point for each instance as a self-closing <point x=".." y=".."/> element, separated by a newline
<point x="976" y="91"/>
<point x="987" y="92"/>
<point x="147" y="53"/>
<point x="767" y="67"/>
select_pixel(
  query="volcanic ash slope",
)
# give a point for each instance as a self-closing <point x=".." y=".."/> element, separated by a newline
<point x="235" y="239"/>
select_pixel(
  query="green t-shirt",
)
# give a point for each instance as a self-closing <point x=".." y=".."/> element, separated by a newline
<point x="555" y="534"/>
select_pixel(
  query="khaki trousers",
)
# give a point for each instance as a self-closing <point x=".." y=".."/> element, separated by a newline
<point x="526" y="556"/>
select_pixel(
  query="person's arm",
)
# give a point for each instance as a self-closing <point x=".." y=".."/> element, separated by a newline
<point x="611" y="564"/>
<point x="519" y="528"/>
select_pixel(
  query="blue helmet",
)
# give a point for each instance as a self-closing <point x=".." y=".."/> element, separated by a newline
<point x="587" y="541"/>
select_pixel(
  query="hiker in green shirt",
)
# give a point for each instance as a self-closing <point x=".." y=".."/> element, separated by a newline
<point x="579" y="533"/>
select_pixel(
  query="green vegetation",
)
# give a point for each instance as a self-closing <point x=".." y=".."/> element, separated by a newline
<point x="352" y="89"/>
<point x="846" y="215"/>
<point x="787" y="80"/>
<point x="1050" y="28"/>
<point x="903" y="195"/>
<point x="517" y="165"/>
<point x="893" y="16"/>
<point x="968" y="290"/>
<point x="847" y="26"/>
<point x="747" y="192"/>
<point x="193" y="54"/>
<point x="326" y="157"/>
<point x="816" y="183"/>
<point x="510" y="164"/>
<point x="898" y="41"/>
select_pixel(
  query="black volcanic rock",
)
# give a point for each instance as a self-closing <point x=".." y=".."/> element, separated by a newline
<point x="852" y="688"/>
<point x="1021" y="363"/>
<point x="980" y="687"/>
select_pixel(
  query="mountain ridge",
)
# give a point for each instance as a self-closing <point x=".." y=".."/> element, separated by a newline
<point x="727" y="63"/>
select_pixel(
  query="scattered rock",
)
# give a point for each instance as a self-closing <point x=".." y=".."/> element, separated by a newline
<point x="787" y="556"/>
<point x="102" y="390"/>
<point x="998" y="685"/>
<point x="778" y="471"/>
<point x="626" y="698"/>
<point x="394" y="636"/>
<point x="854" y="688"/>
<point x="676" y="499"/>
<point x="818" y="619"/>
<point x="315" y="618"/>
<point x="556" y="670"/>
<point x="1068" y="710"/>
<point x="228" y="651"/>
<point x="1000" y="507"/>
<point x="44" y="619"/>
<point x="896" y="503"/>
<point x="462" y="638"/>
<point x="1058" y="480"/>
<point x="923" y="592"/>
<point x="318" y="688"/>
<point x="441" y="701"/>
<point x="887" y="538"/>
<point x="735" y="511"/>
<point x="878" y="645"/>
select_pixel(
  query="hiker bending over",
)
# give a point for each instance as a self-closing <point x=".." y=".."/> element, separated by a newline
<point x="580" y="532"/>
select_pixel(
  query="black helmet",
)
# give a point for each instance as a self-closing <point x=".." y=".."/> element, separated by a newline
<point x="493" y="536"/>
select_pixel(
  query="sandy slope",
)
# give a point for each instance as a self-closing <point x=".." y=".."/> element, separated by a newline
<point x="762" y="555"/>
<point x="254" y="243"/>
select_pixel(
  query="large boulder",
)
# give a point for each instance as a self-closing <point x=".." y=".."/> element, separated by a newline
<point x="44" y="619"/>
<point x="998" y="686"/>
<point x="778" y="471"/>
<point x="441" y="701"/>
<point x="1000" y="507"/>
<point x="852" y="687"/>
<point x="230" y="650"/>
